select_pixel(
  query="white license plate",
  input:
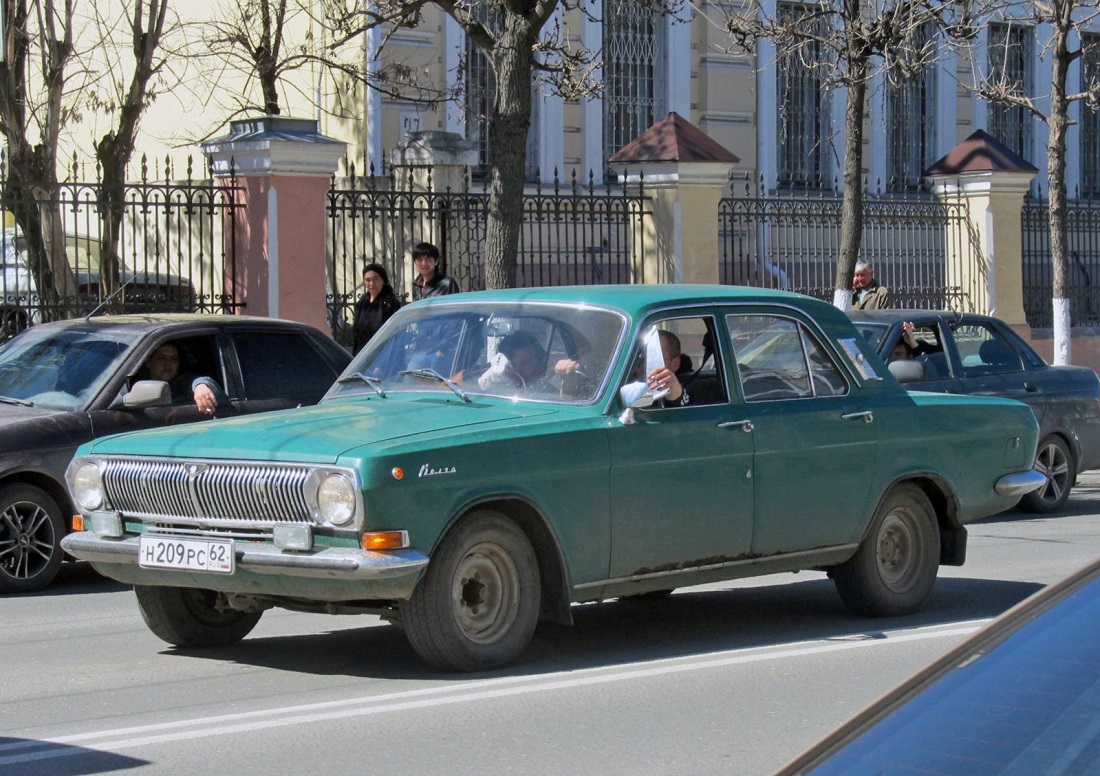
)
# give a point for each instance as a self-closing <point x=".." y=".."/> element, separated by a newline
<point x="173" y="552"/>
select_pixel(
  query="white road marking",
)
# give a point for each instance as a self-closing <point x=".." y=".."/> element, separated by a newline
<point x="465" y="692"/>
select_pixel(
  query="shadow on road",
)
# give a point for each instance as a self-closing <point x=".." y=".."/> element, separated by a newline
<point x="686" y="624"/>
<point x="28" y="757"/>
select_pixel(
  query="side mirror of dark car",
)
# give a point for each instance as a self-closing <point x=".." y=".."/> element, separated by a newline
<point x="906" y="370"/>
<point x="148" y="393"/>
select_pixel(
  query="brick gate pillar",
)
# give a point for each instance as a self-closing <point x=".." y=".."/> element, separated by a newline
<point x="990" y="180"/>
<point x="283" y="168"/>
<point x="685" y="173"/>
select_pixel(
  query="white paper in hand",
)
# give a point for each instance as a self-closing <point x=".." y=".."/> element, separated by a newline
<point x="654" y="358"/>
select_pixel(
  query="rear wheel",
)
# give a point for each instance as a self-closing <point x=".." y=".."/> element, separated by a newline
<point x="188" y="617"/>
<point x="895" y="567"/>
<point x="1055" y="462"/>
<point x="31" y="528"/>
<point x="478" y="603"/>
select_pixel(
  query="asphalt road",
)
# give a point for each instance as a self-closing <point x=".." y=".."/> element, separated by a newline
<point x="725" y="679"/>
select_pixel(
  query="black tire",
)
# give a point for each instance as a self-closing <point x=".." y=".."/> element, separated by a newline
<point x="895" y="567"/>
<point x="31" y="528"/>
<point x="478" y="603"/>
<point x="1055" y="462"/>
<point x="189" y="617"/>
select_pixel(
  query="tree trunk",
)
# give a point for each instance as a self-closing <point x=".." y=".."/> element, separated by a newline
<point x="512" y="59"/>
<point x="1057" y="123"/>
<point x="851" y="207"/>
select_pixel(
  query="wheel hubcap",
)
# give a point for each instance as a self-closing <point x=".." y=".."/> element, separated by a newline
<point x="896" y="548"/>
<point x="26" y="540"/>
<point x="1053" y="465"/>
<point x="485" y="593"/>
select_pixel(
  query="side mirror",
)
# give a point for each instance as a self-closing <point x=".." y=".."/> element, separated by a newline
<point x="636" y="395"/>
<point x="147" y="393"/>
<point x="906" y="370"/>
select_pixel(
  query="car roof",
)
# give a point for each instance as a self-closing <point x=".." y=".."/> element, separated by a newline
<point x="889" y="316"/>
<point x="159" y="321"/>
<point x="631" y="297"/>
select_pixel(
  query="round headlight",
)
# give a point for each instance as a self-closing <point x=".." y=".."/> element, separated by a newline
<point x="87" y="487"/>
<point x="336" y="499"/>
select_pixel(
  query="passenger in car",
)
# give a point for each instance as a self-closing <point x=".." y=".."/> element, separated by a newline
<point x="164" y="364"/>
<point x="666" y="376"/>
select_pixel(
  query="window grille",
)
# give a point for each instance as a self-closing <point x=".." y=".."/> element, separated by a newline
<point x="634" y="94"/>
<point x="1090" y="118"/>
<point x="910" y="110"/>
<point x="805" y="122"/>
<point x="1011" y="65"/>
<point x="481" y="87"/>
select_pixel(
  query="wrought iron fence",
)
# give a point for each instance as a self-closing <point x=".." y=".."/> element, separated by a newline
<point x="1083" y="253"/>
<point x="573" y="233"/>
<point x="920" y="248"/>
<point x="175" y="249"/>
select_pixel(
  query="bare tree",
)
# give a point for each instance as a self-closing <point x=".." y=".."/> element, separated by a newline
<point x="34" y="106"/>
<point x="1065" y="19"/>
<point x="859" y="40"/>
<point x="521" y="42"/>
<point x="146" y="21"/>
<point x="264" y="42"/>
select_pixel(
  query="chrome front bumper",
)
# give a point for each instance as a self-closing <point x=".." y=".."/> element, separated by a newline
<point x="331" y="574"/>
<point x="1019" y="483"/>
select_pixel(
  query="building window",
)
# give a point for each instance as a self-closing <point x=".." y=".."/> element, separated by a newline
<point x="633" y="42"/>
<point x="910" y="110"/>
<point x="805" y="120"/>
<point x="481" y="87"/>
<point x="1090" y="118"/>
<point x="1011" y="66"/>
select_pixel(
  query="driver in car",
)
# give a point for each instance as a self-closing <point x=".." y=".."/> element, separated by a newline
<point x="520" y="362"/>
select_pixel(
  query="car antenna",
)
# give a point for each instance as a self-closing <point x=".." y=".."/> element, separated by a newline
<point x="109" y="299"/>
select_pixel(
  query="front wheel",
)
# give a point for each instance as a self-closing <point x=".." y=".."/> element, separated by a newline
<point x="188" y="617"/>
<point x="1055" y="462"/>
<point x="478" y="604"/>
<point x="31" y="528"/>
<point x="895" y="567"/>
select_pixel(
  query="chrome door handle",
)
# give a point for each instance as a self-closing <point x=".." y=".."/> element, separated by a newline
<point x="867" y="416"/>
<point x="744" y="425"/>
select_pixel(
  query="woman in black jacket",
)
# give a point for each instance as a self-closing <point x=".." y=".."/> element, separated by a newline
<point x="375" y="306"/>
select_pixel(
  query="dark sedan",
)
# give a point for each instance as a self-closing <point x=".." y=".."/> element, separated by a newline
<point x="65" y="383"/>
<point x="981" y="355"/>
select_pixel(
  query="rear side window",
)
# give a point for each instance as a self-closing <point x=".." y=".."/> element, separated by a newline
<point x="984" y="351"/>
<point x="282" y="365"/>
<point x="777" y="358"/>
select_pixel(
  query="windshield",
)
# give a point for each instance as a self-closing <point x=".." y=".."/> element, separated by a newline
<point x="872" y="332"/>
<point x="542" y="352"/>
<point x="60" y="368"/>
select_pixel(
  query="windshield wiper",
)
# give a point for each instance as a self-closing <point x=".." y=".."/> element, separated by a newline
<point x="20" y="402"/>
<point x="373" y="382"/>
<point x="431" y="374"/>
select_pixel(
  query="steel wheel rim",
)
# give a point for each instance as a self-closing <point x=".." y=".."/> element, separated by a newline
<point x="899" y="550"/>
<point x="485" y="593"/>
<point x="26" y="540"/>
<point x="1053" y="464"/>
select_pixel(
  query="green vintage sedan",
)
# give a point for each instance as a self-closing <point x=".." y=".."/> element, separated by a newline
<point x="491" y="458"/>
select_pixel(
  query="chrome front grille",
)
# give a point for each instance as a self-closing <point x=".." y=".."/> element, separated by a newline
<point x="214" y="493"/>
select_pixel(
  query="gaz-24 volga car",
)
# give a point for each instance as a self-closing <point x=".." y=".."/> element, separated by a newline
<point x="491" y="458"/>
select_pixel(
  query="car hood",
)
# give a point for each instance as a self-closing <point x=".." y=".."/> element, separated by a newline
<point x="319" y="434"/>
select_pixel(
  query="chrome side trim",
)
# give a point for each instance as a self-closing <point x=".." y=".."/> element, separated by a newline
<point x="786" y="557"/>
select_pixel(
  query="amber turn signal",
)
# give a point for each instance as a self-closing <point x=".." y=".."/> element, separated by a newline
<point x="386" y="540"/>
<point x="78" y="522"/>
